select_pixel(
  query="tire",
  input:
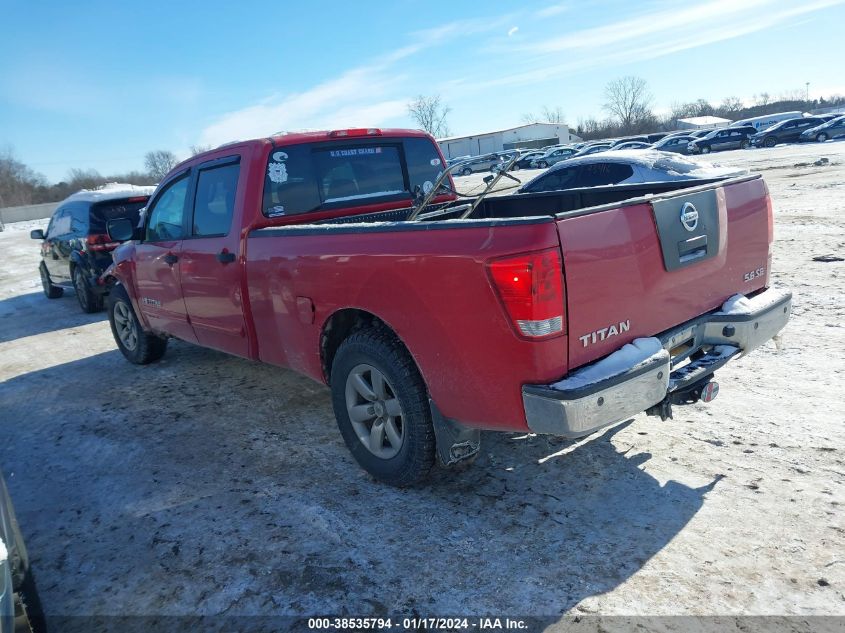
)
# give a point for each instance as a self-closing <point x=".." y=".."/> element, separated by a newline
<point x="744" y="145"/>
<point x="28" y="605"/>
<point x="821" y="137"/>
<point x="90" y="302"/>
<point x="542" y="164"/>
<point x="401" y="456"/>
<point x="137" y="346"/>
<point x="770" y="141"/>
<point x="50" y="291"/>
<point x="705" y="150"/>
<point x="466" y="171"/>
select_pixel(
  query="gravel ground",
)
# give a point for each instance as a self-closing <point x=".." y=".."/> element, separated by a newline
<point x="209" y="484"/>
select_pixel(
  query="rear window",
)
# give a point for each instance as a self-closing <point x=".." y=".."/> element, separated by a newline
<point x="675" y="165"/>
<point x="304" y="178"/>
<point x="102" y="212"/>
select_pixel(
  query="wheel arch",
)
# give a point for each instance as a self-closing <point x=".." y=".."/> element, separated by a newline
<point x="340" y="325"/>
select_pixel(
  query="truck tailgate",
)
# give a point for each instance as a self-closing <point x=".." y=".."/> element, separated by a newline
<point x="641" y="267"/>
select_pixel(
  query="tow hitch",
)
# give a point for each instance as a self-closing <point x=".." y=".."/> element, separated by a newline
<point x="705" y="390"/>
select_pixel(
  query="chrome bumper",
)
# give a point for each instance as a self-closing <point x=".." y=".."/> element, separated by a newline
<point x="579" y="412"/>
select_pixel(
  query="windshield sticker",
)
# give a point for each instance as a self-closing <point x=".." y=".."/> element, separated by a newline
<point x="279" y="156"/>
<point x="427" y="186"/>
<point x="356" y="151"/>
<point x="435" y="162"/>
<point x="276" y="211"/>
<point x="277" y="172"/>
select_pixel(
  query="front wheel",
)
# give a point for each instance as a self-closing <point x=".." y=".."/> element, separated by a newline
<point x="381" y="405"/>
<point x="770" y="142"/>
<point x="705" y="150"/>
<point x="821" y="137"/>
<point x="88" y="301"/>
<point x="466" y="171"/>
<point x="744" y="145"/>
<point x="137" y="346"/>
<point x="542" y="164"/>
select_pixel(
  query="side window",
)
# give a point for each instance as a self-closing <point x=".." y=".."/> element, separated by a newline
<point x="290" y="186"/>
<point x="79" y="219"/>
<point x="167" y="212"/>
<point x="214" y="203"/>
<point x="60" y="224"/>
<point x="599" y="174"/>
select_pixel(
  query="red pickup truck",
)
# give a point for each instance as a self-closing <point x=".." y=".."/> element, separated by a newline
<point x="347" y="256"/>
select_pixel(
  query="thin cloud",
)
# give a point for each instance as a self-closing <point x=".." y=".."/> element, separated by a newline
<point x="512" y="30"/>
<point x="555" y="9"/>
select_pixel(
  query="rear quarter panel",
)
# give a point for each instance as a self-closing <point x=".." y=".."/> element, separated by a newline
<point x="430" y="286"/>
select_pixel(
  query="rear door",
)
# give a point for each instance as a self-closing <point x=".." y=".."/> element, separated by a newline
<point x="639" y="269"/>
<point x="211" y="273"/>
<point x="157" y="260"/>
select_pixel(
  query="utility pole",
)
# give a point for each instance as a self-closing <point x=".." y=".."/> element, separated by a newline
<point x="807" y="97"/>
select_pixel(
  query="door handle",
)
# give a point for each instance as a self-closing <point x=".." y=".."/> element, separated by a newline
<point x="170" y="259"/>
<point x="225" y="257"/>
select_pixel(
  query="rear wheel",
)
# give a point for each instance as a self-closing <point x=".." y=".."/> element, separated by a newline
<point x="821" y="137"/>
<point x="88" y="301"/>
<point x="137" y="346"/>
<point x="744" y="145"/>
<point x="50" y="291"/>
<point x="381" y="405"/>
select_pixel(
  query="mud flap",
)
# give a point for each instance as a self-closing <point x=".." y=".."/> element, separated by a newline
<point x="455" y="442"/>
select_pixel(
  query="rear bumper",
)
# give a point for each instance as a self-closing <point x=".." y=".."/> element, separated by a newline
<point x="722" y="336"/>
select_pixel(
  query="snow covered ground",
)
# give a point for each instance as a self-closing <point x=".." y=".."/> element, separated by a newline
<point x="208" y="484"/>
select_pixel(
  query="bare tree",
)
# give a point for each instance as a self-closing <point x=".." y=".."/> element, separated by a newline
<point x="430" y="115"/>
<point x="159" y="162"/>
<point x="730" y="105"/>
<point x="762" y="99"/>
<point x="199" y="149"/>
<point x="17" y="181"/>
<point x="628" y="100"/>
<point x="547" y="115"/>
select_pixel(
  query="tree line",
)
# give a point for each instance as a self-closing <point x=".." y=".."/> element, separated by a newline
<point x="21" y="185"/>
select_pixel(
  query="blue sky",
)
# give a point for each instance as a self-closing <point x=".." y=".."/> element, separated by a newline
<point x="98" y="84"/>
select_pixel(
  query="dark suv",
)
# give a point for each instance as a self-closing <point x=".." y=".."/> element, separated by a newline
<point x="788" y="131"/>
<point x="722" y="139"/>
<point x="76" y="248"/>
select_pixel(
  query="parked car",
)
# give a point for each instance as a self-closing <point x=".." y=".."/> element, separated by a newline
<point x="788" y="131"/>
<point x="479" y="164"/>
<point x="628" y="139"/>
<point x="835" y="128"/>
<point x="677" y="144"/>
<point x="20" y="605"/>
<point x="656" y="136"/>
<point x="554" y="155"/>
<point x="622" y="167"/>
<point x="76" y="249"/>
<point x="722" y="139"/>
<point x="592" y="149"/>
<point x="525" y="161"/>
<point x="631" y="145"/>
<point x="702" y="132"/>
<point x="428" y="330"/>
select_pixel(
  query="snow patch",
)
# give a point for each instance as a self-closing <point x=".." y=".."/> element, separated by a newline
<point x="630" y="356"/>
<point x="740" y="304"/>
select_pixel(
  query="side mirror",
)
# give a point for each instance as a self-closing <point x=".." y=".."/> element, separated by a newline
<point x="37" y="234"/>
<point x="120" y="230"/>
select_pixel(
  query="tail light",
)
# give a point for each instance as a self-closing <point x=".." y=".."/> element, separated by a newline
<point x="531" y="289"/>
<point x="101" y="242"/>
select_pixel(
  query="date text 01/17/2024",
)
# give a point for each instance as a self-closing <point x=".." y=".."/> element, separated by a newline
<point x="417" y="624"/>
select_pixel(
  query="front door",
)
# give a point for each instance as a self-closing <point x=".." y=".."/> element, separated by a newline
<point x="211" y="270"/>
<point x="158" y="265"/>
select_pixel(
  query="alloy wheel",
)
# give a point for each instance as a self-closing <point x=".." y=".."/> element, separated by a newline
<point x="127" y="330"/>
<point x="375" y="411"/>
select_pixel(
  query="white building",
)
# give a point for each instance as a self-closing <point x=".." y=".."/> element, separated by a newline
<point x="530" y="135"/>
<point x="699" y="122"/>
